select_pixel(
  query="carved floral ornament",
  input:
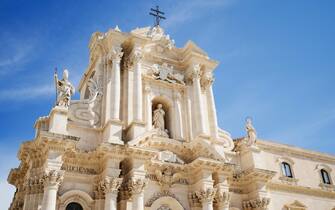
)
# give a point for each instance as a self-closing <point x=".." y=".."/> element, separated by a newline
<point x="260" y="203"/>
<point x="136" y="186"/>
<point x="110" y="184"/>
<point x="206" y="195"/>
<point x="115" y="54"/>
<point x="53" y="178"/>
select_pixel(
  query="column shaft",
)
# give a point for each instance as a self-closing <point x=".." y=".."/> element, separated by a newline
<point x="111" y="201"/>
<point x="212" y="112"/>
<point x="116" y="89"/>
<point x="138" y="92"/>
<point x="199" y="105"/>
<point x="138" y="202"/>
<point x="49" y="198"/>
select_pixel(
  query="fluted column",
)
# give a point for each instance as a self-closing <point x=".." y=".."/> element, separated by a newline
<point x="178" y="117"/>
<point x="206" y="198"/>
<point x="110" y="186"/>
<point x="207" y="82"/>
<point x="199" y="112"/>
<point x="138" y="107"/>
<point x="136" y="189"/>
<point x="52" y="182"/>
<point x="115" y="56"/>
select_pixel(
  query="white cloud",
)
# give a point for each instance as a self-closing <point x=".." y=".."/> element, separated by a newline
<point x="6" y="194"/>
<point x="187" y="10"/>
<point x="26" y="93"/>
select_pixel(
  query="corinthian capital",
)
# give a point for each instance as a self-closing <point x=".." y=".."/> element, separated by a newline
<point x="207" y="79"/>
<point x="222" y="198"/>
<point x="111" y="184"/>
<point x="53" y="178"/>
<point x="115" y="54"/>
<point x="206" y="195"/>
<point x="136" y="186"/>
<point x="258" y="203"/>
<point x="137" y="55"/>
<point x="196" y="71"/>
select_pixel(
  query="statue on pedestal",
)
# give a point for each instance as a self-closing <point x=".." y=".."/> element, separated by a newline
<point x="159" y="121"/>
<point x="251" y="132"/>
<point x="64" y="89"/>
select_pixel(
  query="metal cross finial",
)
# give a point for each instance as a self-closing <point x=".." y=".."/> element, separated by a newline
<point x="157" y="14"/>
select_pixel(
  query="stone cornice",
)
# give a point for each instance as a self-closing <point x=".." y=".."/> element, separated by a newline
<point x="295" y="151"/>
<point x="274" y="186"/>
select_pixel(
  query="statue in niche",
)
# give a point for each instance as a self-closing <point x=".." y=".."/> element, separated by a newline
<point x="251" y="132"/>
<point x="64" y="89"/>
<point x="159" y="121"/>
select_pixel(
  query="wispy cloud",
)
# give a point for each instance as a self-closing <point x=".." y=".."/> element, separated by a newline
<point x="14" y="51"/>
<point x="187" y="10"/>
<point x="27" y="93"/>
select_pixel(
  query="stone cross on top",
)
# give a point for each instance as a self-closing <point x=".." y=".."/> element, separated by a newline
<point x="157" y="14"/>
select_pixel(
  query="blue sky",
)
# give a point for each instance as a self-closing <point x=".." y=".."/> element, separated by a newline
<point x="277" y="62"/>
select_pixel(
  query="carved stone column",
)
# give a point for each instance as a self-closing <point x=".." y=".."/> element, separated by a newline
<point x="178" y="129"/>
<point x="52" y="182"/>
<point x="206" y="198"/>
<point x="136" y="190"/>
<point x="110" y="186"/>
<point x="113" y="126"/>
<point x="207" y="82"/>
<point x="115" y="56"/>
<point x="198" y="103"/>
<point x="138" y="108"/>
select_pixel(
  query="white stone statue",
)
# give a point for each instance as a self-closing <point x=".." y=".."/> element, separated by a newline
<point x="64" y="89"/>
<point x="251" y="132"/>
<point x="159" y="120"/>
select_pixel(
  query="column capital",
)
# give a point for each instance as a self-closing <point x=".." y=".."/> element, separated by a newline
<point x="207" y="79"/>
<point x="136" y="186"/>
<point x="258" y="203"/>
<point x="222" y="198"/>
<point x="137" y="55"/>
<point x="115" y="54"/>
<point x="196" y="71"/>
<point x="53" y="178"/>
<point x="206" y="196"/>
<point x="111" y="184"/>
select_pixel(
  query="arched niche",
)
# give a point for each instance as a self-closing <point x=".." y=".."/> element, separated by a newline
<point x="168" y="109"/>
<point x="76" y="196"/>
<point x="167" y="202"/>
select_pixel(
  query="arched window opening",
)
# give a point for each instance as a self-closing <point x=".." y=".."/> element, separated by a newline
<point x="325" y="176"/>
<point x="286" y="168"/>
<point x="74" y="206"/>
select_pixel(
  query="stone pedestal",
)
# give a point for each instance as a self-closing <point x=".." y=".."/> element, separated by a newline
<point x="135" y="129"/>
<point x="58" y="120"/>
<point x="112" y="132"/>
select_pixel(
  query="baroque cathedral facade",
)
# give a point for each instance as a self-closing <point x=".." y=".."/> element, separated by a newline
<point x="144" y="136"/>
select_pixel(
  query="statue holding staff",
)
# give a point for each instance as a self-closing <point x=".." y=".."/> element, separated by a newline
<point x="64" y="89"/>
